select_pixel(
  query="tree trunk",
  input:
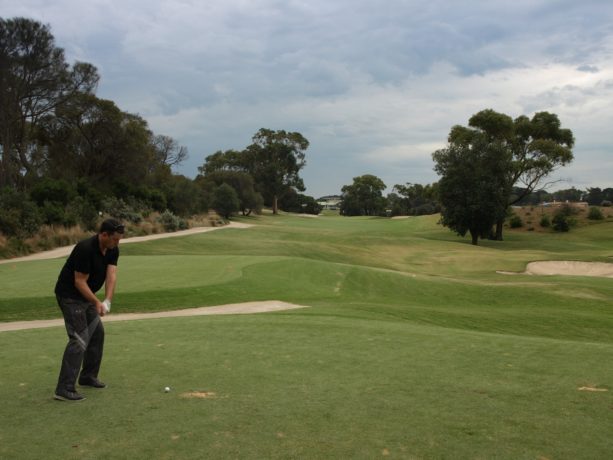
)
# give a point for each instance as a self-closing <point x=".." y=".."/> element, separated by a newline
<point x="499" y="224"/>
<point x="475" y="237"/>
<point x="274" y="204"/>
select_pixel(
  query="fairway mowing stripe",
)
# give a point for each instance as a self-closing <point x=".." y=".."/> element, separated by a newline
<point x="244" y="308"/>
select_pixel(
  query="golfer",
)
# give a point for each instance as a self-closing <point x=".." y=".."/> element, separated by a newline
<point x="92" y="263"/>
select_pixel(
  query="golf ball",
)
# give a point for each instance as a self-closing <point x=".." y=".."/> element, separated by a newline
<point x="167" y="389"/>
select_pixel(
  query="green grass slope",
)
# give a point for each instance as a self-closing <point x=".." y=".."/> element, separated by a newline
<point x="413" y="347"/>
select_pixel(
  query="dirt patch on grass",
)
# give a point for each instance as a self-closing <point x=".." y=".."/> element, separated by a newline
<point x="199" y="395"/>
<point x="566" y="267"/>
<point x="593" y="389"/>
<point x="230" y="309"/>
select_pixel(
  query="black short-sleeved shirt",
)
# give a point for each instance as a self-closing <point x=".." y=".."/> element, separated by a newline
<point x="85" y="258"/>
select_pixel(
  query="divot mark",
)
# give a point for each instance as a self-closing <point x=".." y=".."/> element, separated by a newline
<point x="199" y="394"/>
<point x="592" y="389"/>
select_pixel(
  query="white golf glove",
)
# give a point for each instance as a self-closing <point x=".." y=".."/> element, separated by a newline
<point x="107" y="305"/>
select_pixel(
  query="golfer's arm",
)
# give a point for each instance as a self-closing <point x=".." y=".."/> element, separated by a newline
<point x="111" y="279"/>
<point x="80" y="282"/>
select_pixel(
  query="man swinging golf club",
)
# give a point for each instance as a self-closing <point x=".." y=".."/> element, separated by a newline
<point x="92" y="263"/>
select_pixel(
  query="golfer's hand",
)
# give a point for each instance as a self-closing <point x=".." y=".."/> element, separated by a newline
<point x="100" y="308"/>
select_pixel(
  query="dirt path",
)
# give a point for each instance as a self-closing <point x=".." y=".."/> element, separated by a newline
<point x="230" y="309"/>
<point x="65" y="250"/>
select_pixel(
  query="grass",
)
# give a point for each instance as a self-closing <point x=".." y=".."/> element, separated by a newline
<point x="413" y="347"/>
<point x="531" y="217"/>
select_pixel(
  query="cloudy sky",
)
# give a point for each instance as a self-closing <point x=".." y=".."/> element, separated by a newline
<point x="375" y="86"/>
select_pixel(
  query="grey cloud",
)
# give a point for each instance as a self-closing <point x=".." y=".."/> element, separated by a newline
<point x="588" y="68"/>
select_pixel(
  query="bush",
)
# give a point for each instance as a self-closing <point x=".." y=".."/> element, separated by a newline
<point x="516" y="222"/>
<point x="54" y="191"/>
<point x="19" y="216"/>
<point x="171" y="222"/>
<point x="82" y="211"/>
<point x="119" y="209"/>
<point x="561" y="222"/>
<point x="545" y="222"/>
<point x="567" y="210"/>
<point x="595" y="214"/>
<point x="225" y="201"/>
<point x="53" y="213"/>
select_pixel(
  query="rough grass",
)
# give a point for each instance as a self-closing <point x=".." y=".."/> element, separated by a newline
<point x="531" y="217"/>
<point x="413" y="348"/>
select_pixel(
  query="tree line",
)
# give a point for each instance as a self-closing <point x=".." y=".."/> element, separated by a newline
<point x="488" y="166"/>
<point x="67" y="155"/>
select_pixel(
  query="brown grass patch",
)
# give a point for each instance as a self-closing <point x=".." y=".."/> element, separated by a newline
<point x="531" y="216"/>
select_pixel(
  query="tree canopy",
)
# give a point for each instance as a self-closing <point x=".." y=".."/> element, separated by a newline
<point x="34" y="80"/>
<point x="364" y="197"/>
<point x="518" y="155"/>
<point x="275" y="159"/>
<point x="273" y="162"/>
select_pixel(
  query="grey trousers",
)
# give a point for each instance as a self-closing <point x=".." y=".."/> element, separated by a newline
<point x="85" y="342"/>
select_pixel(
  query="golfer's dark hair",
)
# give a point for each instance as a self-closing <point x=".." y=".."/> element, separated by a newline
<point x="112" y="226"/>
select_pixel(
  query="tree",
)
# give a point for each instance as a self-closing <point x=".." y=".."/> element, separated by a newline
<point x="364" y="197"/>
<point x="184" y="197"/>
<point x="34" y="81"/>
<point x="274" y="160"/>
<point x="168" y="151"/>
<point x="299" y="203"/>
<point x="531" y="148"/>
<point x="596" y="196"/>
<point x="225" y="201"/>
<point x="230" y="160"/>
<point x="570" y="194"/>
<point x="471" y="169"/>
<point x="414" y="199"/>
<point x="241" y="182"/>
<point x="92" y="138"/>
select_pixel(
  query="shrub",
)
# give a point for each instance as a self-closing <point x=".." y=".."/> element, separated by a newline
<point x="171" y="222"/>
<point x="19" y="216"/>
<point x="560" y="222"/>
<point x="516" y="222"/>
<point x="53" y="213"/>
<point x="54" y="191"/>
<point x="567" y="210"/>
<point x="119" y="209"/>
<point x="225" y="201"/>
<point x="82" y="211"/>
<point x="595" y="214"/>
<point x="545" y="222"/>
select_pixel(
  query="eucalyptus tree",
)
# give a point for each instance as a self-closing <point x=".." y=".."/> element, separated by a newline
<point x="532" y="147"/>
<point x="275" y="159"/>
<point x="34" y="80"/>
<point x="529" y="151"/>
<point x="469" y="187"/>
<point x="364" y="197"/>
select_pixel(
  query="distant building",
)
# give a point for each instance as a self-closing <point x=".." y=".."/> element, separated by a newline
<point x="332" y="202"/>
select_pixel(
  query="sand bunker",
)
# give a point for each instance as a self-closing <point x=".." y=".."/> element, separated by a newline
<point x="230" y="309"/>
<point x="567" y="267"/>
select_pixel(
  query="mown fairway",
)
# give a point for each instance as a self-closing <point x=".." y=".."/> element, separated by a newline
<point x="413" y="347"/>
